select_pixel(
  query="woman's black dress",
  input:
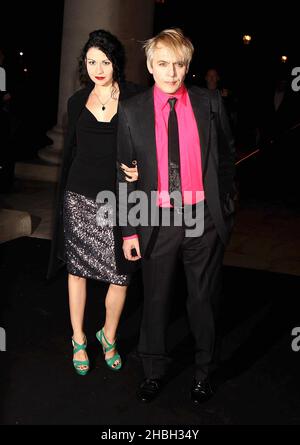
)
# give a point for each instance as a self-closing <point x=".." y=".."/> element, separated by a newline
<point x="88" y="231"/>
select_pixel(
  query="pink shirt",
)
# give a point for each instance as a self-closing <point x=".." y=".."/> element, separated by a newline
<point x="189" y="142"/>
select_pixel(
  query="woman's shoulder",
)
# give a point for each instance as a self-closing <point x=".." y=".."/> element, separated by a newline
<point x="79" y="95"/>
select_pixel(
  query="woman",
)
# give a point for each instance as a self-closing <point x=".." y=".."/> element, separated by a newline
<point x="89" y="166"/>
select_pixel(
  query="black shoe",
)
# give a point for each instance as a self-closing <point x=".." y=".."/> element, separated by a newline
<point x="148" y="390"/>
<point x="201" y="391"/>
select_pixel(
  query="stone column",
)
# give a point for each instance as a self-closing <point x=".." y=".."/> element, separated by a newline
<point x="130" y="20"/>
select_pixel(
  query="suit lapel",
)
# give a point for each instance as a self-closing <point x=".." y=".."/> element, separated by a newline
<point x="201" y="108"/>
<point x="147" y="126"/>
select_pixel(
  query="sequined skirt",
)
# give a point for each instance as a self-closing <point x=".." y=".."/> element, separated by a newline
<point x="90" y="248"/>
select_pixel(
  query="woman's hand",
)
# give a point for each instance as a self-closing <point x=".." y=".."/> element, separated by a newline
<point x="131" y="174"/>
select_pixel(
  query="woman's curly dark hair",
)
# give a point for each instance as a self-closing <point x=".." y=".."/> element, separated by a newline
<point x="113" y="49"/>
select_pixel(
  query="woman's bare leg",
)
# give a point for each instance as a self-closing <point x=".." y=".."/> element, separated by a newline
<point x="77" y="300"/>
<point x="114" y="303"/>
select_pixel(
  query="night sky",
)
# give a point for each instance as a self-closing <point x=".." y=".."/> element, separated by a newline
<point x="216" y="32"/>
<point x="36" y="29"/>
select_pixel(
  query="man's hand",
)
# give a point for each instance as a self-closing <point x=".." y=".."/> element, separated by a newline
<point x="128" y="246"/>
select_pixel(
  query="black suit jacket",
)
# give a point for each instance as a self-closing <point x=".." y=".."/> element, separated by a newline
<point x="136" y="141"/>
<point x="75" y="105"/>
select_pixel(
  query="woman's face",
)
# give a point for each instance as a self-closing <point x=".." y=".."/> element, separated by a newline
<point x="99" y="67"/>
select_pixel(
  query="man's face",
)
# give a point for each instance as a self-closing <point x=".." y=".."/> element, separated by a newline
<point x="168" y="69"/>
<point x="212" y="79"/>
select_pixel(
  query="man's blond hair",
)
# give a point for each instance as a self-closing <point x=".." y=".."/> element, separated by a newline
<point x="174" y="39"/>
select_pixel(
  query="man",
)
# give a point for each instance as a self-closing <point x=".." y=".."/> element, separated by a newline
<point x="279" y="119"/>
<point x="172" y="133"/>
<point x="212" y="79"/>
<point x="214" y="82"/>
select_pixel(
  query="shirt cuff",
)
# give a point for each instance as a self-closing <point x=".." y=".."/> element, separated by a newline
<point x="130" y="237"/>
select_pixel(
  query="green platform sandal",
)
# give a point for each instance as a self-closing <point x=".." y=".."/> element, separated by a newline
<point x="107" y="346"/>
<point x="77" y="363"/>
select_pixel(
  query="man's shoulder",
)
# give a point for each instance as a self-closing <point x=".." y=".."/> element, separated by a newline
<point x="137" y="99"/>
<point x="200" y="91"/>
<point x="213" y="97"/>
<point x="130" y="89"/>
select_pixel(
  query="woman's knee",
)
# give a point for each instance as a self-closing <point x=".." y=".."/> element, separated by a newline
<point x="76" y="279"/>
<point x="116" y="288"/>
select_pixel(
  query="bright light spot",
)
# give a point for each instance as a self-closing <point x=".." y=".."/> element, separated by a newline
<point x="247" y="39"/>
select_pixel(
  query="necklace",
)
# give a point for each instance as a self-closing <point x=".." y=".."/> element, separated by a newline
<point x="103" y="104"/>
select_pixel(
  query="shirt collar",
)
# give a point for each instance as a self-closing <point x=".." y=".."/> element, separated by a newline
<point x="162" y="98"/>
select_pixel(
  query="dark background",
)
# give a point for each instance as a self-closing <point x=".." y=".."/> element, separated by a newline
<point x="35" y="29"/>
<point x="217" y="31"/>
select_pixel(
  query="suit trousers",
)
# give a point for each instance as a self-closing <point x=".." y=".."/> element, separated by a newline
<point x="202" y="258"/>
